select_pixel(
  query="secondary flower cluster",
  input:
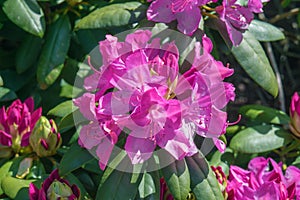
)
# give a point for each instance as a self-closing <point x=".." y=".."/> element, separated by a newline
<point x="235" y="17"/>
<point x="17" y="123"/>
<point x="264" y="179"/>
<point x="140" y="91"/>
<point x="22" y="129"/>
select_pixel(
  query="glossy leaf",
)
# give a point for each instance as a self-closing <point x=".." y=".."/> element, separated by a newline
<point x="62" y="109"/>
<point x="117" y="186"/>
<point x="3" y="172"/>
<point x="74" y="180"/>
<point x="26" y="14"/>
<point x="203" y="181"/>
<point x="264" y="114"/>
<point x="259" y="139"/>
<point x="15" y="81"/>
<point x="147" y="186"/>
<point x="74" y="158"/>
<point x="16" y="188"/>
<point x="177" y="177"/>
<point x="254" y="61"/>
<point x="265" y="32"/>
<point x="25" y="60"/>
<point x="54" y="52"/>
<point x="113" y="16"/>
<point x="7" y="94"/>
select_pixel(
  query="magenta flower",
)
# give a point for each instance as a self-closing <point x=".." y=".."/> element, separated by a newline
<point x="186" y="12"/>
<point x="54" y="187"/>
<point x="256" y="5"/>
<point x="139" y="89"/>
<point x="17" y="123"/>
<point x="295" y="114"/>
<point x="264" y="179"/>
<point x="236" y="19"/>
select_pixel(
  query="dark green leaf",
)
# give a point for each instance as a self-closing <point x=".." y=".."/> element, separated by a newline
<point x="26" y="14"/>
<point x="203" y="181"/>
<point x="117" y="186"/>
<point x="15" y="81"/>
<point x="25" y="60"/>
<point x="62" y="109"/>
<point x="147" y="186"/>
<point x="177" y="177"/>
<point x="74" y="158"/>
<point x="113" y="15"/>
<point x="265" y="32"/>
<point x="254" y="61"/>
<point x="54" y="52"/>
<point x="7" y="94"/>
<point x="259" y="139"/>
<point x="264" y="114"/>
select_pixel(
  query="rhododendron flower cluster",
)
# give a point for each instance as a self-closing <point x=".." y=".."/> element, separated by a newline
<point x="264" y="179"/>
<point x="235" y="17"/>
<point x="140" y="91"/>
<point x="17" y="123"/>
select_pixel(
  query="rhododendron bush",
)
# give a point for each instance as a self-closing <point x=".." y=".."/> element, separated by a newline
<point x="156" y="99"/>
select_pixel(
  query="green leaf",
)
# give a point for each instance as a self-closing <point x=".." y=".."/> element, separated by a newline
<point x="26" y="14"/>
<point x="259" y="139"/>
<point x="117" y="186"/>
<point x="7" y="94"/>
<point x="25" y="60"/>
<point x="254" y="61"/>
<point x="265" y="32"/>
<point x="297" y="162"/>
<point x="16" y="188"/>
<point x="264" y="114"/>
<point x="203" y="180"/>
<point x="147" y="186"/>
<point x="74" y="158"/>
<point x="62" y="109"/>
<point x="177" y="177"/>
<point x="113" y="16"/>
<point x="15" y="81"/>
<point x="4" y="172"/>
<point x="54" y="52"/>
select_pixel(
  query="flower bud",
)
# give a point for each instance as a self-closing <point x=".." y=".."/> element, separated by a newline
<point x="59" y="190"/>
<point x="295" y="114"/>
<point x="45" y="139"/>
<point x="16" y="124"/>
<point x="54" y="187"/>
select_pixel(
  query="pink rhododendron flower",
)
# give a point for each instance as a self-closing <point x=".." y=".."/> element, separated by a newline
<point x="17" y="123"/>
<point x="295" y="114"/>
<point x="54" y="187"/>
<point x="186" y="12"/>
<point x="264" y="179"/>
<point x="256" y="5"/>
<point x="236" y="18"/>
<point x="139" y="88"/>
